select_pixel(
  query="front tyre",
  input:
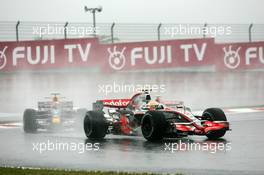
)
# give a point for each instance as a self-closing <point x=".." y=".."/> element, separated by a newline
<point x="153" y="126"/>
<point x="29" y="121"/>
<point x="215" y="114"/>
<point x="95" y="125"/>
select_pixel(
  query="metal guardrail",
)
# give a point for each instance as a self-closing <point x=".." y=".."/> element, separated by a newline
<point x="124" y="32"/>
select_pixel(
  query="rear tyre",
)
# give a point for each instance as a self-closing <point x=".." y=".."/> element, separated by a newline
<point x="153" y="126"/>
<point x="215" y="114"/>
<point x="29" y="121"/>
<point x="95" y="125"/>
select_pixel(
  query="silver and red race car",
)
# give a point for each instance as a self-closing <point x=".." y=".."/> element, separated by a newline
<point x="157" y="119"/>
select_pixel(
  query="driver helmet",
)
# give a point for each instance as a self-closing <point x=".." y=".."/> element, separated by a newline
<point x="152" y="104"/>
<point x="55" y="99"/>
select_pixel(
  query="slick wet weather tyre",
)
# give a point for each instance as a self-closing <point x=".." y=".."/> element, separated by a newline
<point x="153" y="126"/>
<point x="215" y="114"/>
<point x="29" y="121"/>
<point x="95" y="125"/>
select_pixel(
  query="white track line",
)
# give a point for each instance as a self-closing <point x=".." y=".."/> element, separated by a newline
<point x="10" y="125"/>
<point x="238" y="110"/>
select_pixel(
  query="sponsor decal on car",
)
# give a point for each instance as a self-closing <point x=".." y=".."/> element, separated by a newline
<point x="116" y="102"/>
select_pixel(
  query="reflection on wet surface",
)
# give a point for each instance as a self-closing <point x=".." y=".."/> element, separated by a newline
<point x="126" y="143"/>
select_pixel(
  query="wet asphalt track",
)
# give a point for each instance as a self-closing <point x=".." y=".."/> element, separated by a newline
<point x="127" y="153"/>
<point x="130" y="153"/>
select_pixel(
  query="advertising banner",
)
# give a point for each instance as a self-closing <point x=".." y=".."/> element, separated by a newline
<point x="239" y="56"/>
<point x="89" y="54"/>
<point x="158" y="54"/>
<point x="49" y="54"/>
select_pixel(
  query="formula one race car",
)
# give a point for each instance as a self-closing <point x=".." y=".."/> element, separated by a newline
<point x="156" y="118"/>
<point x="52" y="114"/>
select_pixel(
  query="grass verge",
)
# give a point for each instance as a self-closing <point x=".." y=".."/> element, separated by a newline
<point x="28" y="171"/>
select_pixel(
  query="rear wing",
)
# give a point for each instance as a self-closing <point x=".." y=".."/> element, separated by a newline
<point x="44" y="105"/>
<point x="112" y="103"/>
<point x="48" y="105"/>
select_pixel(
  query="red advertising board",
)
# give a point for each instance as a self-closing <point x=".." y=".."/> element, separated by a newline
<point x="89" y="54"/>
<point x="49" y="54"/>
<point x="239" y="56"/>
<point x="158" y="54"/>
